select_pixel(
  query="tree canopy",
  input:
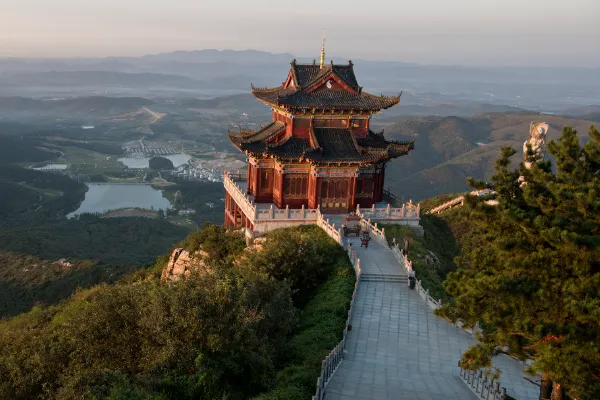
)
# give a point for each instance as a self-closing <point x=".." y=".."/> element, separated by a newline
<point x="157" y="162"/>
<point x="530" y="269"/>
<point x="218" y="335"/>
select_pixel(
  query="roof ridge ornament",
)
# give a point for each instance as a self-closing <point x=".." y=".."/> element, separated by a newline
<point x="322" y="64"/>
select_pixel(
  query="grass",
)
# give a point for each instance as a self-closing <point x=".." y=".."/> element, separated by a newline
<point x="432" y="255"/>
<point x="88" y="161"/>
<point x="322" y="322"/>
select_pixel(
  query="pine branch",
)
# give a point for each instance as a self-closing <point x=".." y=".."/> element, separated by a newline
<point x="531" y="381"/>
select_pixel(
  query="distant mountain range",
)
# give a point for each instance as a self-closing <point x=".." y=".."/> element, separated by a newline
<point x="19" y="107"/>
<point x="210" y="73"/>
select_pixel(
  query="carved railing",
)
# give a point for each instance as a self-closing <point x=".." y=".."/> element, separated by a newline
<point x="274" y="213"/>
<point x="392" y="197"/>
<point x="375" y="232"/>
<point x="460" y="201"/>
<point x="239" y="196"/>
<point x="408" y="266"/>
<point x="447" y="205"/>
<point x="379" y="235"/>
<point x="324" y="224"/>
<point x="483" y="386"/>
<point x="249" y="208"/>
<point x="406" y="212"/>
<point x="335" y="357"/>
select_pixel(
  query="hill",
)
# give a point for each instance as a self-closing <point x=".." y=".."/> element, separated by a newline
<point x="23" y="150"/>
<point x="450" y="149"/>
<point x="244" y="322"/>
<point x="91" y="105"/>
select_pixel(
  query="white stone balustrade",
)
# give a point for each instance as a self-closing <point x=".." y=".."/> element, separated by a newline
<point x="256" y="215"/>
<point x="239" y="196"/>
<point x="483" y="386"/>
<point x="408" y="213"/>
<point x="407" y="264"/>
<point x="375" y="232"/>
<point x="324" y="224"/>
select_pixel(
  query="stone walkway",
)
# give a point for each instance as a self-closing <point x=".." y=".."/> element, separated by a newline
<point x="398" y="349"/>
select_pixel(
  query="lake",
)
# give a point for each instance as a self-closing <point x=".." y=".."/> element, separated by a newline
<point x="143" y="162"/>
<point x="104" y="197"/>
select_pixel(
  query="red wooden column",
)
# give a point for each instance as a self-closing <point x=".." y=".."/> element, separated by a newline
<point x="314" y="191"/>
<point x="249" y="178"/>
<point x="279" y="176"/>
<point x="352" y="194"/>
<point x="318" y="183"/>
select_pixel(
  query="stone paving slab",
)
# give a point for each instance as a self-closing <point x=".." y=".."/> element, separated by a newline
<point x="376" y="259"/>
<point x="398" y="349"/>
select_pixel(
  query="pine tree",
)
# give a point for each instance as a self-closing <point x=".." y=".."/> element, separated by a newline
<point x="531" y="276"/>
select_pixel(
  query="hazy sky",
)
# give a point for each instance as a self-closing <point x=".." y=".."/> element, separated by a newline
<point x="507" y="32"/>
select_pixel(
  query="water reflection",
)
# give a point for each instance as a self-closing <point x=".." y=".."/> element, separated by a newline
<point x="143" y="162"/>
<point x="102" y="197"/>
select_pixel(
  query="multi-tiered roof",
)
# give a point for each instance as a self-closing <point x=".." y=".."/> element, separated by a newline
<point x="304" y="90"/>
<point x="325" y="145"/>
<point x="320" y="90"/>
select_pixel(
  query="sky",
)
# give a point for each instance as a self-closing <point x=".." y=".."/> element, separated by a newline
<point x="468" y="32"/>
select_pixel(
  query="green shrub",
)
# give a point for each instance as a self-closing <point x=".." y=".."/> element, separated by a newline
<point x="322" y="322"/>
<point x="231" y="334"/>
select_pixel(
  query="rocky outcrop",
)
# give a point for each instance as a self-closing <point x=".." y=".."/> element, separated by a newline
<point x="182" y="264"/>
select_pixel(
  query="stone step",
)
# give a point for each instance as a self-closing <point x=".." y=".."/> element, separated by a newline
<point x="383" y="278"/>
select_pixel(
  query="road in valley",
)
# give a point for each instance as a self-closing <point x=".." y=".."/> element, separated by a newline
<point x="154" y="114"/>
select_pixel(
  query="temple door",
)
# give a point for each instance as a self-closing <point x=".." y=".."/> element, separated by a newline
<point x="334" y="195"/>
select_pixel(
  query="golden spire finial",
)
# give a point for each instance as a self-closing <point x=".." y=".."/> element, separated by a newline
<point x="322" y="65"/>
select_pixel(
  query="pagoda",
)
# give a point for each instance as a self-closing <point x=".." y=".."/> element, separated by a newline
<point x="319" y="150"/>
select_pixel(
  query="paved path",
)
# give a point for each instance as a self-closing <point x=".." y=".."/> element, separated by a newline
<point x="397" y="348"/>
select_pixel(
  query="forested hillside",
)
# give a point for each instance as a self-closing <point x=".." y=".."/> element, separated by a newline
<point x="450" y="149"/>
<point x="258" y="324"/>
<point x="35" y="232"/>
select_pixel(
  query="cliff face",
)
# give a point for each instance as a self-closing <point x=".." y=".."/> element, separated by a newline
<point x="182" y="263"/>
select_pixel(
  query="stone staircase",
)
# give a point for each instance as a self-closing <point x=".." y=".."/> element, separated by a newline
<point x="374" y="277"/>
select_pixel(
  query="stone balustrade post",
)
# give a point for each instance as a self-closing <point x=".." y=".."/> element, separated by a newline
<point x="303" y="212"/>
<point x="271" y="216"/>
<point x="373" y="208"/>
<point x="287" y="212"/>
<point x="387" y="210"/>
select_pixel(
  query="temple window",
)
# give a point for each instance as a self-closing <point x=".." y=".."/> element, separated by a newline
<point x="295" y="186"/>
